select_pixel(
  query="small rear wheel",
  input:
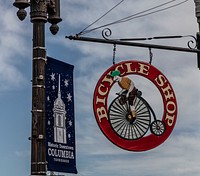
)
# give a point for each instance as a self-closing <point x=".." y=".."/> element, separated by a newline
<point x="157" y="127"/>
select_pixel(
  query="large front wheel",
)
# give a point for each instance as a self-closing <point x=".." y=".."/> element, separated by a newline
<point x="119" y="118"/>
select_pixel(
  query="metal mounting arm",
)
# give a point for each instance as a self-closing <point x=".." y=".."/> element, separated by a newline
<point x="144" y="45"/>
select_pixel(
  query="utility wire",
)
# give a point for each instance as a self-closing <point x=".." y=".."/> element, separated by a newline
<point x="134" y="16"/>
<point x="163" y="9"/>
<point x="101" y="17"/>
<point x="126" y="18"/>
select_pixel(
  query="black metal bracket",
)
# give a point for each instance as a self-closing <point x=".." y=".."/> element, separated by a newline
<point x="106" y="33"/>
<point x="198" y="47"/>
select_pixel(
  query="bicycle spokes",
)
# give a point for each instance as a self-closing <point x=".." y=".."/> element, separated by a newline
<point x="157" y="127"/>
<point x="122" y="121"/>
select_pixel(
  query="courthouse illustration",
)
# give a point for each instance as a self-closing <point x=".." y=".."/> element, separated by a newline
<point x="59" y="114"/>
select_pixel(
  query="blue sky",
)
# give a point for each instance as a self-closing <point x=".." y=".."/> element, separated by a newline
<point x="178" y="156"/>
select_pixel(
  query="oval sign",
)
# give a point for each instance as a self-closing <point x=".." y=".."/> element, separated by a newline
<point x="117" y="121"/>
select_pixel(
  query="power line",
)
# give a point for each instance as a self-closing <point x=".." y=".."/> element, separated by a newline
<point x="163" y="9"/>
<point x="101" y="16"/>
<point x="134" y="16"/>
<point x="137" y="14"/>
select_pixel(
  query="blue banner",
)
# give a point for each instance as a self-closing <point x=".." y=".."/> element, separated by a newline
<point x="60" y="123"/>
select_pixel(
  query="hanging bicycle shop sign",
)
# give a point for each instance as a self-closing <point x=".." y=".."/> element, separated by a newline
<point x="129" y="121"/>
<point x="128" y="118"/>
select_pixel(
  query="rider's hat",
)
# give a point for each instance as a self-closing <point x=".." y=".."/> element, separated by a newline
<point x="115" y="73"/>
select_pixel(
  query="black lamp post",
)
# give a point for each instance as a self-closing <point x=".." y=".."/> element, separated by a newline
<point x="197" y="12"/>
<point x="41" y="11"/>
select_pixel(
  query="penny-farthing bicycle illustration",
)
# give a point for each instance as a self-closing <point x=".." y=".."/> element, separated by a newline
<point x="129" y="127"/>
<point x="128" y="120"/>
<point x="130" y="115"/>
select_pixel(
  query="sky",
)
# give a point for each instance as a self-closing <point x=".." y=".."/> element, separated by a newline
<point x="96" y="155"/>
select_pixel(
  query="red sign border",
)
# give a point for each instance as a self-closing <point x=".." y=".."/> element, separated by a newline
<point x="170" y="107"/>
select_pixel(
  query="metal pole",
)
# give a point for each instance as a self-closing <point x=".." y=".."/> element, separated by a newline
<point x="38" y="15"/>
<point x="41" y="11"/>
<point x="197" y="12"/>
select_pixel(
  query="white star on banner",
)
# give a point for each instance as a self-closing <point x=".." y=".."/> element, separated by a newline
<point x="70" y="123"/>
<point x="69" y="97"/>
<point x="53" y="76"/>
<point x="66" y="82"/>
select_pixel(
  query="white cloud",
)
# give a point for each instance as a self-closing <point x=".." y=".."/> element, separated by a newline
<point x="175" y="157"/>
<point x="22" y="154"/>
<point x="13" y="49"/>
<point x="10" y="77"/>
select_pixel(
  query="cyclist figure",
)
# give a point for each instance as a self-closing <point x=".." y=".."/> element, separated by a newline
<point x="128" y="86"/>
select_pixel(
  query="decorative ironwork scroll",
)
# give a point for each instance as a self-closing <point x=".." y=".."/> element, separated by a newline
<point x="192" y="43"/>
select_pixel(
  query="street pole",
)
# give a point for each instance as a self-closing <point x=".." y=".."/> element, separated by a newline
<point x="41" y="11"/>
<point x="38" y="16"/>
<point x="197" y="12"/>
